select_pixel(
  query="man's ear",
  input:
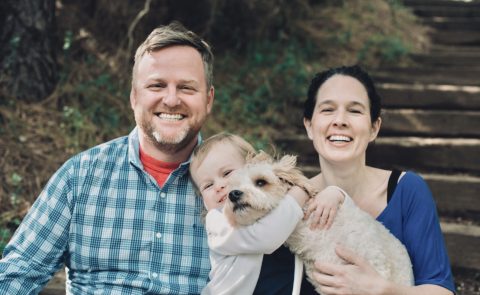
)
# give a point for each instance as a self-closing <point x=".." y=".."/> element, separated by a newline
<point x="133" y="99"/>
<point x="308" y="126"/>
<point x="375" y="129"/>
<point x="210" y="99"/>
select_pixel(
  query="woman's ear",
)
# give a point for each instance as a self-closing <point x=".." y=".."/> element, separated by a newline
<point x="308" y="126"/>
<point x="375" y="129"/>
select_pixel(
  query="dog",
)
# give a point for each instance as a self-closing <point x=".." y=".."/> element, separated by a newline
<point x="258" y="188"/>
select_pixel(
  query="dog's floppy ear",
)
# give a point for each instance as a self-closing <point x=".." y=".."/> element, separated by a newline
<point x="287" y="171"/>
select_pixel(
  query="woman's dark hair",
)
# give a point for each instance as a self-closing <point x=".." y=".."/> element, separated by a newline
<point x="353" y="71"/>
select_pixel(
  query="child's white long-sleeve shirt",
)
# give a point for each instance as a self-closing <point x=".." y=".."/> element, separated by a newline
<point x="236" y="253"/>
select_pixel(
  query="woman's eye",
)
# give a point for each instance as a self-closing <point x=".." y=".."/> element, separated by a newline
<point x="355" y="111"/>
<point x="260" y="182"/>
<point x="326" y="110"/>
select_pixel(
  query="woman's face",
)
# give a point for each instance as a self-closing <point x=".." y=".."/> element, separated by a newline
<point x="341" y="127"/>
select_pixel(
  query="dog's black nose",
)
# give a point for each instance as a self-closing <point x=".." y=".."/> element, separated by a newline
<point x="235" y="195"/>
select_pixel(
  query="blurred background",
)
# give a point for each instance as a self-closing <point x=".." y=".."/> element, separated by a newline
<point x="65" y="83"/>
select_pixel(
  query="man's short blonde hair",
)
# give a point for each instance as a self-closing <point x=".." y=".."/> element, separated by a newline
<point x="172" y="35"/>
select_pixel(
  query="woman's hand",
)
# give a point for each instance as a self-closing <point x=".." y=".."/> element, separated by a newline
<point x="355" y="277"/>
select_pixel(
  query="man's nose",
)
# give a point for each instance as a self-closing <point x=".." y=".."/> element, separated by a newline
<point x="171" y="98"/>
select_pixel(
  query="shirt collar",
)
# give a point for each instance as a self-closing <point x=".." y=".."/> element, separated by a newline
<point x="134" y="152"/>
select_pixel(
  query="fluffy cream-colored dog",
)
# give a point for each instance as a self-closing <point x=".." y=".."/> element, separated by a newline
<point x="258" y="187"/>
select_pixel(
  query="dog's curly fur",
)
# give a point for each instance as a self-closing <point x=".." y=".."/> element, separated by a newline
<point x="258" y="188"/>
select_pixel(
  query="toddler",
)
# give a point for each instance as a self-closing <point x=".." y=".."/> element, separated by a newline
<point x="236" y="253"/>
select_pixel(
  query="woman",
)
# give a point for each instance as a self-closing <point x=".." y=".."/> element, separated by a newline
<point x="342" y="116"/>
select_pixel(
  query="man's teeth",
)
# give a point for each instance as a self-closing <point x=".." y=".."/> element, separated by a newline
<point x="339" y="138"/>
<point x="170" y="117"/>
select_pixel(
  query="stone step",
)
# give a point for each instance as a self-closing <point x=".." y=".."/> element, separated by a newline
<point x="453" y="49"/>
<point x="454" y="155"/>
<point x="433" y="155"/>
<point x="460" y="60"/>
<point x="424" y="75"/>
<point x="463" y="242"/>
<point x="442" y="3"/>
<point x="456" y="195"/>
<point x="444" y="8"/>
<point x="451" y="37"/>
<point x="432" y="123"/>
<point x="429" y="96"/>
<point x="453" y="23"/>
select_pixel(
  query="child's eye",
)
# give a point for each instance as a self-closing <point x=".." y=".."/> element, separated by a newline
<point x="206" y="186"/>
<point x="260" y="182"/>
<point x="227" y="172"/>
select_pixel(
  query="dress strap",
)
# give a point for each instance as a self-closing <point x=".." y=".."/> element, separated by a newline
<point x="392" y="183"/>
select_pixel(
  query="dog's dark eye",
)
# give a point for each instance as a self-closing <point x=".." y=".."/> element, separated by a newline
<point x="260" y="182"/>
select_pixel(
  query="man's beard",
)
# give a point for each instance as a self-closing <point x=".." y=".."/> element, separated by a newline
<point x="167" y="143"/>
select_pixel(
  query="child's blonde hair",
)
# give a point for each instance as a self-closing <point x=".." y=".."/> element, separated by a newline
<point x="243" y="147"/>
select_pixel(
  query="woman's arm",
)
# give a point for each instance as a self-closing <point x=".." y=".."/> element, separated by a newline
<point x="359" y="277"/>
<point x="416" y="222"/>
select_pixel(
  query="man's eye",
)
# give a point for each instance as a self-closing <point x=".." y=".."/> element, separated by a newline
<point x="260" y="182"/>
<point x="187" y="88"/>
<point x="355" y="111"/>
<point x="156" y="85"/>
<point x="326" y="110"/>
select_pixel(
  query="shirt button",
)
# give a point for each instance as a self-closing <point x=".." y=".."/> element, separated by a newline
<point x="154" y="275"/>
<point x="158" y="235"/>
<point x="163" y="195"/>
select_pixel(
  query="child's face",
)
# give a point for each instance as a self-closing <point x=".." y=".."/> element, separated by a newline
<point x="211" y="176"/>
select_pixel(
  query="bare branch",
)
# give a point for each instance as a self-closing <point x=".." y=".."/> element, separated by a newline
<point x="132" y="26"/>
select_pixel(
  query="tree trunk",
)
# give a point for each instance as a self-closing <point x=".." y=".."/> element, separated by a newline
<point x="28" y="69"/>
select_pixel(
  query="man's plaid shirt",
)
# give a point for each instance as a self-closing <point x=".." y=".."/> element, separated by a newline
<point x="115" y="229"/>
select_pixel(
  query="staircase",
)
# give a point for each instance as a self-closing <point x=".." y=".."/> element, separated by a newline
<point x="431" y="125"/>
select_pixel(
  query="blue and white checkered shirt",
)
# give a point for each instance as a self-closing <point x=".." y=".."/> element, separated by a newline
<point x="115" y="229"/>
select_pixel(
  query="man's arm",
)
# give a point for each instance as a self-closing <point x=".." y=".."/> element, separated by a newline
<point x="36" y="250"/>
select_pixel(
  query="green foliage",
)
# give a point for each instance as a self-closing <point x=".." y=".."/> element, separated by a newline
<point x="5" y="236"/>
<point x="96" y="108"/>
<point x="390" y="48"/>
<point x="261" y="87"/>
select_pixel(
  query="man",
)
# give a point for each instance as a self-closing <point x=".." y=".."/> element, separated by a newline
<point x="123" y="216"/>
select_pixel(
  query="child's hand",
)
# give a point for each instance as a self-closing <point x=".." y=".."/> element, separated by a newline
<point x="323" y="207"/>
